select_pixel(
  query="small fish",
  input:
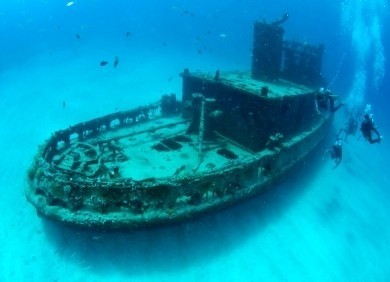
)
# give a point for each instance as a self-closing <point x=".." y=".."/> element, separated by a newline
<point x="186" y="12"/>
<point x="103" y="63"/>
<point x="70" y="3"/>
<point x="128" y="34"/>
<point x="78" y="36"/>
<point x="116" y="61"/>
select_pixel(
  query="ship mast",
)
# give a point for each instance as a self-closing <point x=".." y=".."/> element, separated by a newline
<point x="201" y="131"/>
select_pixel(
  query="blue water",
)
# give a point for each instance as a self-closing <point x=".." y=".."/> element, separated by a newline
<point x="321" y="224"/>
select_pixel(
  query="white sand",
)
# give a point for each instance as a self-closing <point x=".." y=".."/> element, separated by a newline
<point x="321" y="225"/>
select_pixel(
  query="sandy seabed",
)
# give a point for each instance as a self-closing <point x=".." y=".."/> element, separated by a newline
<point x="322" y="224"/>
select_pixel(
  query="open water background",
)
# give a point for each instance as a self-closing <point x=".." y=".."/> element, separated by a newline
<point x="322" y="224"/>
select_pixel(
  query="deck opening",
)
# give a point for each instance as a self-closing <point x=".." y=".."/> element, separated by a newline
<point x="227" y="154"/>
<point x="167" y="145"/>
<point x="182" y="139"/>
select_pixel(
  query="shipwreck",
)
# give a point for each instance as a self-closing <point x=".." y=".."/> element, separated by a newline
<point x="230" y="136"/>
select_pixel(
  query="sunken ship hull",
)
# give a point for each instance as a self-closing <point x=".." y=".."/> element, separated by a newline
<point x="231" y="136"/>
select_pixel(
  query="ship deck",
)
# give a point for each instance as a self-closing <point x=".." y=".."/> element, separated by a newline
<point x="157" y="148"/>
<point x="244" y="82"/>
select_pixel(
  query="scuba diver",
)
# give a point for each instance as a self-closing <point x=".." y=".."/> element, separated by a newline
<point x="367" y="127"/>
<point x="323" y="98"/>
<point x="335" y="152"/>
<point x="350" y="128"/>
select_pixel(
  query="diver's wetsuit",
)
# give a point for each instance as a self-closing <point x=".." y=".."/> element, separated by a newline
<point x="367" y="127"/>
<point x="336" y="152"/>
<point x="350" y="128"/>
<point x="323" y="97"/>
